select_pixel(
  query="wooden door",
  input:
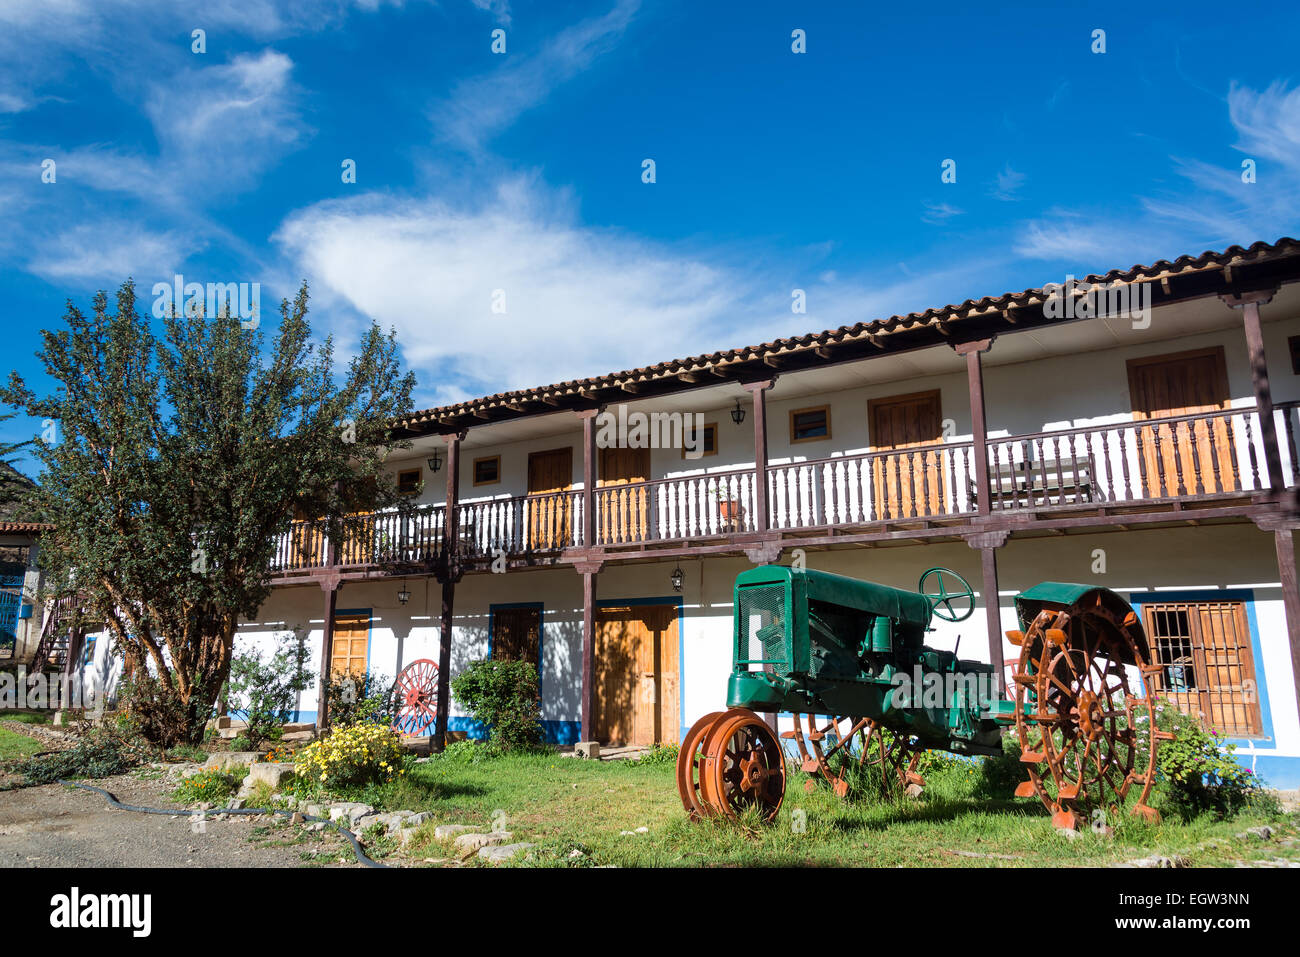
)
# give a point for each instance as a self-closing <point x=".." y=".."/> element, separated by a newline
<point x="550" y="518"/>
<point x="623" y="513"/>
<point x="516" y="634"/>
<point x="351" y="647"/>
<point x="636" y="682"/>
<point x="1207" y="666"/>
<point x="1197" y="454"/>
<point x="912" y="482"/>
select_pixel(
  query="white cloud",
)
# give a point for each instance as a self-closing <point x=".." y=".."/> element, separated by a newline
<point x="109" y="251"/>
<point x="936" y="213"/>
<point x="1009" y="183"/>
<point x="1267" y="123"/>
<point x="479" y="108"/>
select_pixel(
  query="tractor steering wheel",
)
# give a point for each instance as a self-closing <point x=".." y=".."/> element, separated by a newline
<point x="941" y="596"/>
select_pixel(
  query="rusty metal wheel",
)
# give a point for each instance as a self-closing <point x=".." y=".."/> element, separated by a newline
<point x="689" y="759"/>
<point x="844" y="751"/>
<point x="415" y="698"/>
<point x="743" y="766"/>
<point x="1086" y="738"/>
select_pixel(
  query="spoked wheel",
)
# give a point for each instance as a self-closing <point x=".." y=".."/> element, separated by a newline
<point x="415" y="698"/>
<point x="742" y="767"/>
<point x="1086" y="737"/>
<point x="842" y="750"/>
<point x="689" y="759"/>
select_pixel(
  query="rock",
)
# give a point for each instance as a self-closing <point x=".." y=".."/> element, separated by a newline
<point x="502" y="852"/>
<point x="1263" y="832"/>
<point x="316" y="826"/>
<point x="445" y="832"/>
<point x="587" y="749"/>
<point x="351" y="810"/>
<point x="474" y="842"/>
<point x="297" y="818"/>
<point x="643" y="830"/>
<point x="314" y="810"/>
<point x="184" y="771"/>
<point x="1157" y="861"/>
<point x="224" y="759"/>
<point x="1068" y="833"/>
<point x="236" y="804"/>
<point x="273" y="773"/>
<point x="914" y="791"/>
<point x="205" y="806"/>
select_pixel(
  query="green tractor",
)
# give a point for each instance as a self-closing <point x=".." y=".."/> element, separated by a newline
<point x="847" y="660"/>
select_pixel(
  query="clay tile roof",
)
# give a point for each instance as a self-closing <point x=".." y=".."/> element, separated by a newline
<point x="23" y="528"/>
<point x="877" y="332"/>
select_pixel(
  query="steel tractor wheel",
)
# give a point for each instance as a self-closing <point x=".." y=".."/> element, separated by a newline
<point x="849" y="752"/>
<point x="1087" y="739"/>
<point x="729" y="762"/>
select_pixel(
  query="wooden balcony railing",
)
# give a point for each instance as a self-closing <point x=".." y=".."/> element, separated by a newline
<point x="673" y="509"/>
<point x="1189" y="457"/>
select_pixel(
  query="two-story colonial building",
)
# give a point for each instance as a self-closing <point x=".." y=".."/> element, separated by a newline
<point x="1045" y="434"/>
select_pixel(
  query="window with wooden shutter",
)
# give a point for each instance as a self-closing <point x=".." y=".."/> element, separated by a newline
<point x="1206" y="665"/>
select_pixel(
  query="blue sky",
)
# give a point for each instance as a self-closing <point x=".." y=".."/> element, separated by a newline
<point x="522" y="171"/>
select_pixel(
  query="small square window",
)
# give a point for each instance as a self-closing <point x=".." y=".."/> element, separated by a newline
<point x="408" y="481"/>
<point x="807" y="425"/>
<point x="708" y="444"/>
<point x="1293" y="344"/>
<point x="487" y="471"/>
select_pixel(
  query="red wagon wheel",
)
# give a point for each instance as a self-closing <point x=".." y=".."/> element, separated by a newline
<point x="415" y="698"/>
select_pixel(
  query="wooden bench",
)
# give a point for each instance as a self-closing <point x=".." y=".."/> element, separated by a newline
<point x="1029" y="483"/>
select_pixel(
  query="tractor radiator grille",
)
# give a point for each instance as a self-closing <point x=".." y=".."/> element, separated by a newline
<point x="763" y="628"/>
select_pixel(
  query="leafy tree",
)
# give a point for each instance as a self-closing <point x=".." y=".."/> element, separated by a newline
<point x="267" y="690"/>
<point x="179" y="458"/>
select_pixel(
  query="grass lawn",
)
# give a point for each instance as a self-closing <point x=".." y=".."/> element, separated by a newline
<point x="563" y="804"/>
<point x="14" y="746"/>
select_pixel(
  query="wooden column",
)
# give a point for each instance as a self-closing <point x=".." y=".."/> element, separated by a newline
<point x="979" y="428"/>
<point x="988" y="542"/>
<point x="993" y="614"/>
<point x="1249" y="304"/>
<point x="451" y="572"/>
<point x="330" y="585"/>
<point x="758" y="390"/>
<point x="588" y="570"/>
<point x="1284" y="543"/>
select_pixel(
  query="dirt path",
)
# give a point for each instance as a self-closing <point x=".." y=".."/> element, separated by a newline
<point x="54" y="826"/>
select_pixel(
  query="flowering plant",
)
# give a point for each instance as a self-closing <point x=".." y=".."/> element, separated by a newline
<point x="360" y="754"/>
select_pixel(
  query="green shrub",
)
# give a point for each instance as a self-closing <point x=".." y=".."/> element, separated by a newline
<point x="505" y="696"/>
<point x="463" y="752"/>
<point x="364" y="700"/>
<point x="267" y="691"/>
<point x="1197" y="773"/>
<point x="152" y="709"/>
<point x="211" y="785"/>
<point x="98" y="755"/>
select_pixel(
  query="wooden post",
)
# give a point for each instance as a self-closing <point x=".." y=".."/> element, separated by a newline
<point x="758" y="390"/>
<point x="588" y="655"/>
<point x="1284" y="543"/>
<point x="451" y="572"/>
<point x="588" y="571"/>
<point x="1249" y="305"/>
<point x="993" y="615"/>
<point x="979" y="429"/>
<point x="330" y="586"/>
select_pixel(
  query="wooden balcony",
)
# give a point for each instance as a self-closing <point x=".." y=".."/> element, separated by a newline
<point x="1130" y="467"/>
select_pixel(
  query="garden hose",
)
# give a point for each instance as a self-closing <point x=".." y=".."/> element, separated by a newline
<point x="174" y="812"/>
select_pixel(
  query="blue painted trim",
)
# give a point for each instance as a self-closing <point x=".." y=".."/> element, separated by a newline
<point x="553" y="732"/>
<point x="1276" y="771"/>
<point x="679" y="601"/>
<point x="541" y="635"/>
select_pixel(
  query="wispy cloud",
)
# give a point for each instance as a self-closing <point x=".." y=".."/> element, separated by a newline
<point x="937" y="213"/>
<point x="480" y="108"/>
<point x="1008" y="184"/>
